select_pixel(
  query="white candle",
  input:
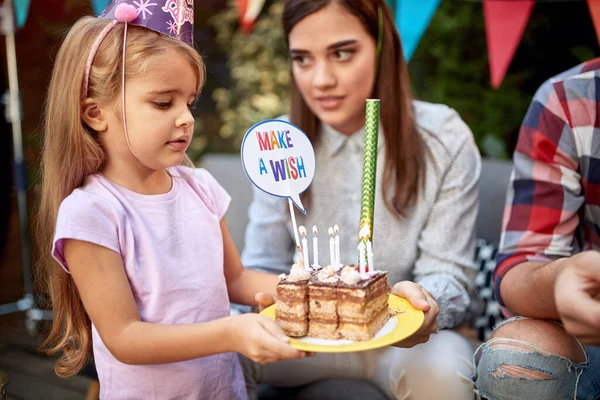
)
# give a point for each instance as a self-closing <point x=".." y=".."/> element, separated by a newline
<point x="302" y="231"/>
<point x="362" y="258"/>
<point x="370" y="256"/>
<point x="331" y="247"/>
<point x="336" y="230"/>
<point x="315" y="247"/>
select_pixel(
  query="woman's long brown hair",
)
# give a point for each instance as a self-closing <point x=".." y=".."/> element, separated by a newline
<point x="72" y="152"/>
<point x="404" y="167"/>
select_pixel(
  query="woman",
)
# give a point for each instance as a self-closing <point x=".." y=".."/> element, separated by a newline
<point x="425" y="206"/>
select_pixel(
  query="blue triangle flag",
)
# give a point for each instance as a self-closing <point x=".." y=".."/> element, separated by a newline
<point x="99" y="5"/>
<point x="412" y="19"/>
<point x="21" y="11"/>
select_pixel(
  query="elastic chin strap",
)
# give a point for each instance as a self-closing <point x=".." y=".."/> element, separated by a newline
<point x="379" y="41"/>
<point x="123" y="93"/>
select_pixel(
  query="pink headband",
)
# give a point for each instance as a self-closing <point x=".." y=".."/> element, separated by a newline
<point x="124" y="13"/>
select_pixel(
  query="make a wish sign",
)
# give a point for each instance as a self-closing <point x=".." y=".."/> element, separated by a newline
<point x="279" y="159"/>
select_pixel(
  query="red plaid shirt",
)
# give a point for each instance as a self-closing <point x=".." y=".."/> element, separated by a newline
<point x="553" y="201"/>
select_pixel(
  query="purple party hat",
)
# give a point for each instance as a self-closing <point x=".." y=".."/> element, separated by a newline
<point x="174" y="18"/>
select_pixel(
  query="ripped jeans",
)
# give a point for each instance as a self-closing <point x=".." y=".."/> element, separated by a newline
<point x="550" y="376"/>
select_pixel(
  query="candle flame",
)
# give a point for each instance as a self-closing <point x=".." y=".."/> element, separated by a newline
<point x="364" y="232"/>
<point x="314" y="229"/>
<point x="336" y="229"/>
<point x="330" y="231"/>
<point x="302" y="230"/>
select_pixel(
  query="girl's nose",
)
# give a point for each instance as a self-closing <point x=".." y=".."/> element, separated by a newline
<point x="185" y="119"/>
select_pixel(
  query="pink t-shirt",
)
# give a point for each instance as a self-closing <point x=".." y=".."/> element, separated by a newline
<point x="172" y="250"/>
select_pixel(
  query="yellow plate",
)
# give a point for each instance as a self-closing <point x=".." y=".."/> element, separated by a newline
<point x="406" y="322"/>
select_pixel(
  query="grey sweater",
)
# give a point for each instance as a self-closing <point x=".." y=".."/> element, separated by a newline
<point x="433" y="245"/>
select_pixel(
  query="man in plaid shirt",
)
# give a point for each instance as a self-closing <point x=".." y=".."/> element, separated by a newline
<point x="548" y="271"/>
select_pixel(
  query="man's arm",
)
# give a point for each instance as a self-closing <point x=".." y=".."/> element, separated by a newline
<point x="542" y="209"/>
<point x="528" y="289"/>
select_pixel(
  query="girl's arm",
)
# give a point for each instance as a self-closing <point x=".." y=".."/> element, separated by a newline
<point x="243" y="284"/>
<point x="100" y="278"/>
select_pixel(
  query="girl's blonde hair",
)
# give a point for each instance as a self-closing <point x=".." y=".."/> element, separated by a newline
<point x="72" y="152"/>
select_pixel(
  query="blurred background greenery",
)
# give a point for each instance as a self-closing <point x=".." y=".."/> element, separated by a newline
<point x="248" y="74"/>
<point x="450" y="66"/>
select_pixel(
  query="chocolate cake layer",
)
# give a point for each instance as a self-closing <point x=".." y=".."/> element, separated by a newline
<point x="362" y="312"/>
<point x="362" y="331"/>
<point x="291" y="309"/>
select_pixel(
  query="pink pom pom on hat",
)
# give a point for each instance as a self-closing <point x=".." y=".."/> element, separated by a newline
<point x="125" y="13"/>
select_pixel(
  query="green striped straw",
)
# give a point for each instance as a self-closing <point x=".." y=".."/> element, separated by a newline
<point x="369" y="170"/>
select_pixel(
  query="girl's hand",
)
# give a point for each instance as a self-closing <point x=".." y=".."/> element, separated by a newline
<point x="260" y="339"/>
<point x="421" y="300"/>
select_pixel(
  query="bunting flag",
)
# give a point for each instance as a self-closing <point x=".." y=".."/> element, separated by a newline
<point x="412" y="19"/>
<point x="594" y="6"/>
<point x="248" y="11"/>
<point x="505" y="22"/>
<point x="21" y="11"/>
<point x="99" y="5"/>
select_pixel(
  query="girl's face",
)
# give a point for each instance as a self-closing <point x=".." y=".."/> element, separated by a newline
<point x="159" y="117"/>
<point x="333" y="64"/>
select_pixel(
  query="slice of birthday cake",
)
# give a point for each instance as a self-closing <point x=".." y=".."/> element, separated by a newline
<point x="291" y="308"/>
<point x="331" y="303"/>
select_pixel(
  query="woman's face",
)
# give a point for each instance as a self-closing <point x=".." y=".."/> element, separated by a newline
<point x="333" y="64"/>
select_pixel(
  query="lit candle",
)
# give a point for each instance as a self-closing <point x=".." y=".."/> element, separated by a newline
<point x="371" y="265"/>
<point x="331" y="247"/>
<point x="336" y="230"/>
<point x="363" y="235"/>
<point x="315" y="247"/>
<point x="304" y="260"/>
<point x="361" y="257"/>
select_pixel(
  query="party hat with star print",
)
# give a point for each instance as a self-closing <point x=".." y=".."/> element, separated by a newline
<point x="174" y="18"/>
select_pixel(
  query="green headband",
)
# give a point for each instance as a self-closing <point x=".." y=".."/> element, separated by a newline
<point x="379" y="40"/>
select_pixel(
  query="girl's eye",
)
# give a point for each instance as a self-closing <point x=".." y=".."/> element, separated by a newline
<point x="192" y="106"/>
<point x="344" y="55"/>
<point x="162" y="105"/>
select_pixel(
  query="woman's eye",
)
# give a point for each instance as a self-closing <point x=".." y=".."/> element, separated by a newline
<point x="343" y="55"/>
<point x="162" y="105"/>
<point x="300" y="60"/>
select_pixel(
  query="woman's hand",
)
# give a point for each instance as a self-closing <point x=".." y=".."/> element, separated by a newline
<point x="260" y="339"/>
<point x="264" y="300"/>
<point x="421" y="300"/>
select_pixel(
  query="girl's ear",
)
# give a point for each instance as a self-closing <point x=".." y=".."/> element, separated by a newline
<point x="92" y="114"/>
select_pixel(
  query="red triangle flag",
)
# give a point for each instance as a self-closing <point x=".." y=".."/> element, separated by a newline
<point x="594" y="6"/>
<point x="242" y="7"/>
<point x="505" y="22"/>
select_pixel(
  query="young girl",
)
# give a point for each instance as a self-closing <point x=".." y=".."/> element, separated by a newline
<point x="425" y="205"/>
<point x="143" y="266"/>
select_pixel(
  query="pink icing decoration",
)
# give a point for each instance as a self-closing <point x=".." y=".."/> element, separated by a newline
<point x="125" y="13"/>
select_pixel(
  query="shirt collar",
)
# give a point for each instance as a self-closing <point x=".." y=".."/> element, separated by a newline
<point x="335" y="141"/>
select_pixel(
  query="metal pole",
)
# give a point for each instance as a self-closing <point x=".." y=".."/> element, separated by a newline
<point x="13" y="115"/>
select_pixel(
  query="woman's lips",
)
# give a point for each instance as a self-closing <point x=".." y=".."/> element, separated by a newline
<point x="330" y="103"/>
